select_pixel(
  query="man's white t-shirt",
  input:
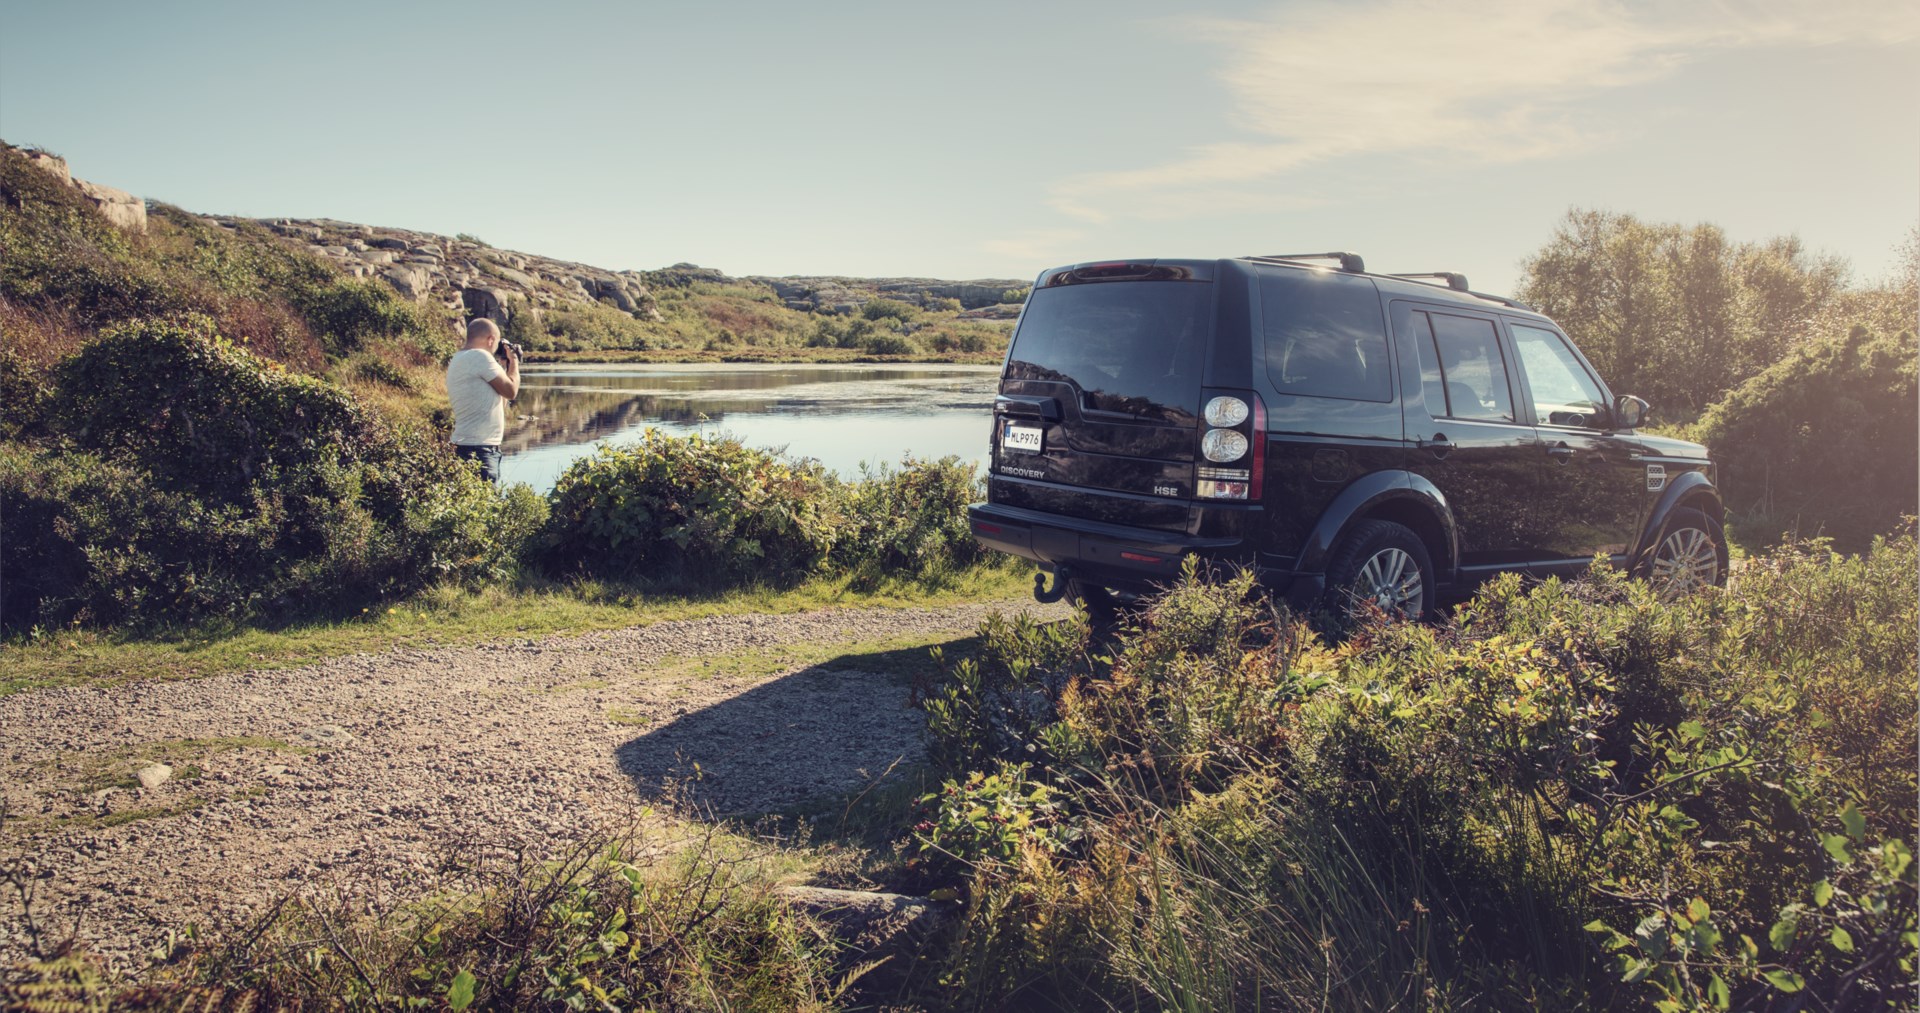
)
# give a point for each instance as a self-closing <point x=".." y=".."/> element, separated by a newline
<point x="479" y="412"/>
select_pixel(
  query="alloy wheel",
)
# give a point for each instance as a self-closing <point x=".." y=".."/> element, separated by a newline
<point x="1686" y="561"/>
<point x="1391" y="580"/>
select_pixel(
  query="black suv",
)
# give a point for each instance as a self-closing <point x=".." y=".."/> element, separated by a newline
<point x="1354" y="437"/>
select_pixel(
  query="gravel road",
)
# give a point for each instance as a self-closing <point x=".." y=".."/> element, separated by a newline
<point x="363" y="769"/>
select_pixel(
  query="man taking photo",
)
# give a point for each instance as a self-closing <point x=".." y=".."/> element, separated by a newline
<point x="480" y="390"/>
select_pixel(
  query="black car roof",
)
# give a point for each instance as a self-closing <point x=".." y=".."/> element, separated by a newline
<point x="1204" y="270"/>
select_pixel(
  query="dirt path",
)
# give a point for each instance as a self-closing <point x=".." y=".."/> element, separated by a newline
<point x="364" y="768"/>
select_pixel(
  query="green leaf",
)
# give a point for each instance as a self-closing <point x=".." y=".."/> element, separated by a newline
<point x="1822" y="893"/>
<point x="1785" y="981"/>
<point x="1836" y="846"/>
<point x="1692" y="731"/>
<point x="1637" y="970"/>
<point x="1719" y="994"/>
<point x="460" y="996"/>
<point x="1841" y="939"/>
<point x="1698" y="910"/>
<point x="1781" y="935"/>
<point x="1856" y="824"/>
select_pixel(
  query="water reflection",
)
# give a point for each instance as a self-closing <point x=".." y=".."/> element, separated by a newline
<point x="841" y="415"/>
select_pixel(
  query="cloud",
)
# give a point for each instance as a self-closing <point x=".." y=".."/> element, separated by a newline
<point x="1500" y="81"/>
<point x="1034" y="245"/>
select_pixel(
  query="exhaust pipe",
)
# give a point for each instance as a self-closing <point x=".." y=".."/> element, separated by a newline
<point x="1045" y="595"/>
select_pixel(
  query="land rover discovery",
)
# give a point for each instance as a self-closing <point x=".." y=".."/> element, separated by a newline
<point x="1354" y="437"/>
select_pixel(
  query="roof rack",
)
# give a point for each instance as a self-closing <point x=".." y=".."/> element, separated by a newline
<point x="1349" y="262"/>
<point x="1458" y="283"/>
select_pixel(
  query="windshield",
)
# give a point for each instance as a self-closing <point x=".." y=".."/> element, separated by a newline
<point x="1131" y="346"/>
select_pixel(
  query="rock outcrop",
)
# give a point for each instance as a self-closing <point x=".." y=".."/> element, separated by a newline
<point x="121" y="208"/>
<point x="461" y="273"/>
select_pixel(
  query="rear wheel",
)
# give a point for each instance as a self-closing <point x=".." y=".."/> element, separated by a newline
<point x="1103" y="609"/>
<point x="1380" y="565"/>
<point x="1691" y="554"/>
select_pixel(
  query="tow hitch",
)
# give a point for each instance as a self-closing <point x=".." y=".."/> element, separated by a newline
<point x="1045" y="595"/>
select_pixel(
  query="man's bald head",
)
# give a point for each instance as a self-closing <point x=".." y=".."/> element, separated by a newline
<point x="482" y="331"/>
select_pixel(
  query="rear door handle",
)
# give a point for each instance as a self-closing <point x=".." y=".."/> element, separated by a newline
<point x="1561" y="451"/>
<point x="1439" y="445"/>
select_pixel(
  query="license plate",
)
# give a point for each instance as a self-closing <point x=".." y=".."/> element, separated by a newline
<point x="1025" y="439"/>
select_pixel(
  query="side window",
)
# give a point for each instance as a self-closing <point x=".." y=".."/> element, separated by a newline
<point x="1325" y="335"/>
<point x="1563" y="393"/>
<point x="1432" y="387"/>
<point x="1471" y="373"/>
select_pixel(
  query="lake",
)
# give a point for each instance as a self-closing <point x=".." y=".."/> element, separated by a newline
<point x="841" y="415"/>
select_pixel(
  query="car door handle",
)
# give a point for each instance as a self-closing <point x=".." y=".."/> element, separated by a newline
<point x="1439" y="445"/>
<point x="1560" y="451"/>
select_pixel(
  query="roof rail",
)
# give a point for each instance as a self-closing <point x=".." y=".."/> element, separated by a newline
<point x="1349" y="262"/>
<point x="1457" y="282"/>
<point x="1502" y="300"/>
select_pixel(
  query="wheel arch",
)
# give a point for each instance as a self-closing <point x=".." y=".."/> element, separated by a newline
<point x="1691" y="490"/>
<point x="1401" y="497"/>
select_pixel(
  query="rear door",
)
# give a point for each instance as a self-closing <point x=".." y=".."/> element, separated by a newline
<point x="1470" y="440"/>
<point x="1100" y="398"/>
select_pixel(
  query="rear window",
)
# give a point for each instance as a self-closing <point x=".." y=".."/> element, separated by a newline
<point x="1131" y="346"/>
<point x="1325" y="335"/>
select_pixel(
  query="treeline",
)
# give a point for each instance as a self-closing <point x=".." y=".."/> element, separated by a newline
<point x="1801" y="385"/>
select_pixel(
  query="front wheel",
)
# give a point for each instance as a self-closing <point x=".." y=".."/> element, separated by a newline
<point x="1691" y="554"/>
<point x="1380" y="565"/>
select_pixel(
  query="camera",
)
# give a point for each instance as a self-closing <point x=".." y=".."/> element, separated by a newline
<point x="505" y="347"/>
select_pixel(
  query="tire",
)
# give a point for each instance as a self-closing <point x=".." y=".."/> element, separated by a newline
<point x="1102" y="608"/>
<point x="1383" y="565"/>
<point x="1689" y="554"/>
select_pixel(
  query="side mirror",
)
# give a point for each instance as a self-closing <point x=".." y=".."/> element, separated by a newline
<point x="1629" y="411"/>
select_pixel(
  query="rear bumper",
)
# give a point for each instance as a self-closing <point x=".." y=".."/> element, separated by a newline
<point x="1117" y="556"/>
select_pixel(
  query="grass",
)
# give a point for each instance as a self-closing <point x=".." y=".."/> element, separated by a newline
<point x="93" y="770"/>
<point x="442" y="617"/>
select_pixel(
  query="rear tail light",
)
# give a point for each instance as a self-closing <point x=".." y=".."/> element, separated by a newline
<point x="1237" y="438"/>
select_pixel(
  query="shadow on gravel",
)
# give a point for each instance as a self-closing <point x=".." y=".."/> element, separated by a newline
<point x="820" y="731"/>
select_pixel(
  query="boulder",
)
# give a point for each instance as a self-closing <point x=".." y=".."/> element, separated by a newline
<point x="519" y="278"/>
<point x="154" y="775"/>
<point x="889" y="927"/>
<point x="121" y="208"/>
<point x="53" y="164"/>
<point x="388" y="243"/>
<point x="479" y="301"/>
<point x="377" y="256"/>
<point x="410" y="281"/>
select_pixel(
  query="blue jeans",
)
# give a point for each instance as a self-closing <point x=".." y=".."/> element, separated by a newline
<point x="488" y="456"/>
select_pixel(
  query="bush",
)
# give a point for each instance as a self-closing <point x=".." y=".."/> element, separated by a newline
<point x="695" y="512"/>
<point x="199" y="413"/>
<point x="912" y="521"/>
<point x="1825" y="442"/>
<point x="182" y="479"/>
<point x="1573" y="794"/>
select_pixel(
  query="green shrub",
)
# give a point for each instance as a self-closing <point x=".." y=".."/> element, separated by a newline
<point x="696" y="511"/>
<point x="911" y="521"/>
<point x="184" y="479"/>
<point x="889" y="309"/>
<point x="199" y="413"/>
<point x="1575" y="794"/>
<point x="1827" y="441"/>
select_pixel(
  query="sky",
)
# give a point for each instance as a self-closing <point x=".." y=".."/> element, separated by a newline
<point x="993" y="140"/>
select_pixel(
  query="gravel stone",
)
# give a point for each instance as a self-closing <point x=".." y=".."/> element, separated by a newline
<point x="523" y="742"/>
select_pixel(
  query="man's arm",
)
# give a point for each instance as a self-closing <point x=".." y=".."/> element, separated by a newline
<point x="508" y="386"/>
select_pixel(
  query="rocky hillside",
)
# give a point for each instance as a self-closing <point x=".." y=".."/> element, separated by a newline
<point x="560" y="306"/>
